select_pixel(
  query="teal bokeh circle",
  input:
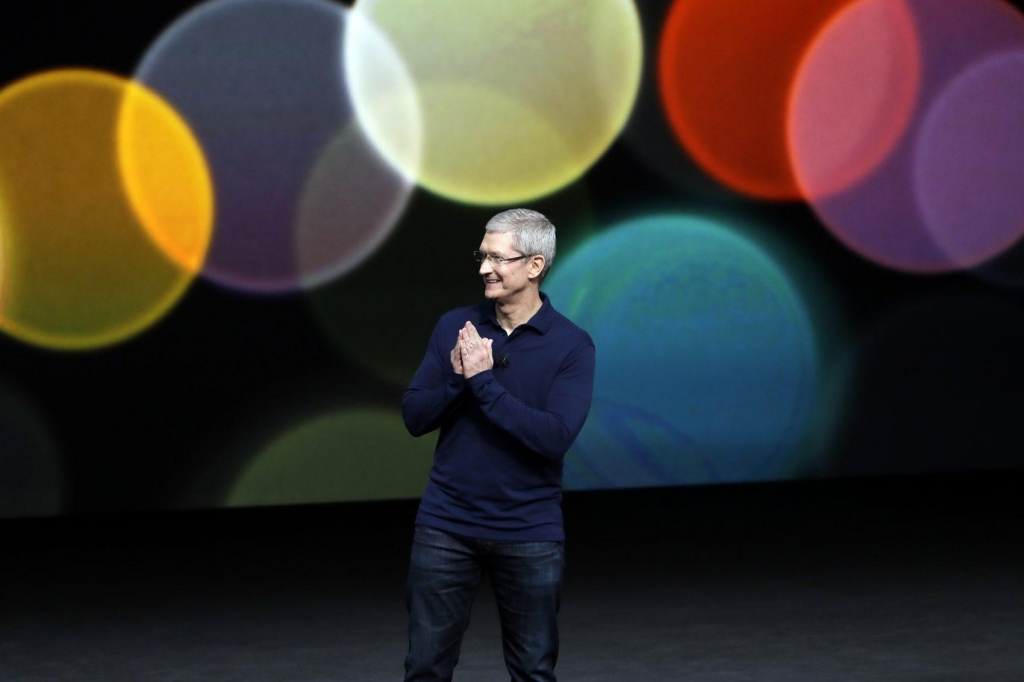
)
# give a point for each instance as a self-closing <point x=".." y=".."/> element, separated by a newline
<point x="706" y="362"/>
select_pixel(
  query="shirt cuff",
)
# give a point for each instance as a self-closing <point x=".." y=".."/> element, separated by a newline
<point x="479" y="380"/>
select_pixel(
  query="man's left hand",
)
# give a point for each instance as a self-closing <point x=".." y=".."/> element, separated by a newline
<point x="477" y="355"/>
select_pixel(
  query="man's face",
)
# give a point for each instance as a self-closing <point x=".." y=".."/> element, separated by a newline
<point x="502" y="281"/>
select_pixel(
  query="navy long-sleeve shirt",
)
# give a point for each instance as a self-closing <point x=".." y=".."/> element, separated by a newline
<point x="497" y="471"/>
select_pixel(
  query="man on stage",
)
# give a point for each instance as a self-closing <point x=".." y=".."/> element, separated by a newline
<point x="509" y="383"/>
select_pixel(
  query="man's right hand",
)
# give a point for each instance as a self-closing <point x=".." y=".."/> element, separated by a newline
<point x="456" y="354"/>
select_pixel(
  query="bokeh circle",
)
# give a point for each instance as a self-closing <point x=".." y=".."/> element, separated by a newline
<point x="881" y="216"/>
<point x="83" y="266"/>
<point x="853" y="95"/>
<point x="724" y="72"/>
<point x="969" y="161"/>
<point x="301" y="196"/>
<point x="32" y="472"/>
<point x="706" y="356"/>
<point x="935" y="389"/>
<point x="516" y="100"/>
<point x="339" y="456"/>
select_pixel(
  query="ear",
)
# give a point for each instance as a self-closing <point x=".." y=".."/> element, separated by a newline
<point x="536" y="266"/>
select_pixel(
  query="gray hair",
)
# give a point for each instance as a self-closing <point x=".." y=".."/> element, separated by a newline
<point x="532" y="233"/>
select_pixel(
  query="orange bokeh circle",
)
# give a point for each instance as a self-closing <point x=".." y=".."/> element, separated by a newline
<point x="106" y="209"/>
<point x="725" y="70"/>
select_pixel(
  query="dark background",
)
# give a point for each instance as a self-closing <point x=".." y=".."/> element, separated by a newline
<point x="929" y="368"/>
<point x="896" y="556"/>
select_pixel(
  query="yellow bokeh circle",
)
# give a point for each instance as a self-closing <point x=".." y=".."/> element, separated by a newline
<point x="513" y="100"/>
<point x="107" y="209"/>
<point x="339" y="456"/>
<point x="166" y="176"/>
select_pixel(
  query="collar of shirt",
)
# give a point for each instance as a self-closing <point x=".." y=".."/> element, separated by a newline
<point x="541" y="320"/>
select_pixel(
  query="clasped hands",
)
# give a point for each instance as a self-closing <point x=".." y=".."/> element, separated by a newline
<point x="472" y="354"/>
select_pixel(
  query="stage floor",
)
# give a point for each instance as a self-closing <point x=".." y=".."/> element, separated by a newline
<point x="876" y="579"/>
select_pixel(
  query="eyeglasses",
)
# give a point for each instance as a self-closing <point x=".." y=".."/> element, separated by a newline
<point x="480" y="257"/>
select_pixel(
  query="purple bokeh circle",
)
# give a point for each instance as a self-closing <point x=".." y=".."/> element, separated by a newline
<point x="261" y="83"/>
<point x="969" y="170"/>
<point x="880" y="218"/>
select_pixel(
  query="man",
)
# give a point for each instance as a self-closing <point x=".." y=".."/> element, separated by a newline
<point x="509" y="383"/>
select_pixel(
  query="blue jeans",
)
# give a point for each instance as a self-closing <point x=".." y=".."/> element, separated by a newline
<point x="444" y="573"/>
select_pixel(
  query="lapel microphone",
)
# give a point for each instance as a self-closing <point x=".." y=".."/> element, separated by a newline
<point x="501" y="360"/>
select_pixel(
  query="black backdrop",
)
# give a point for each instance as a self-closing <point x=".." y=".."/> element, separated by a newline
<point x="929" y="368"/>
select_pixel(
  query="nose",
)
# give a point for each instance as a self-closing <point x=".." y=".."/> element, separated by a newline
<point x="486" y="268"/>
